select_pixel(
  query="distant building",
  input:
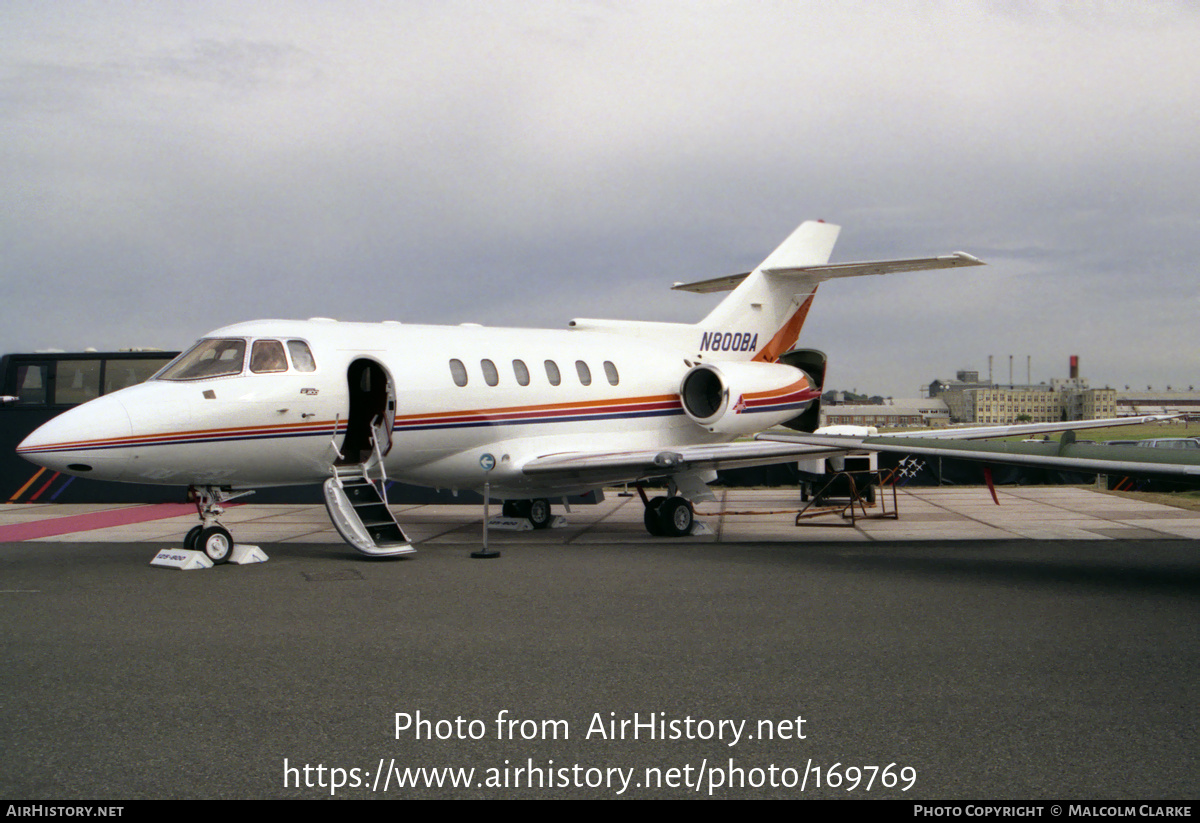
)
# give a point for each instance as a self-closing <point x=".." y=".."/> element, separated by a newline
<point x="1132" y="403"/>
<point x="894" y="413"/>
<point x="971" y="400"/>
<point x="954" y="393"/>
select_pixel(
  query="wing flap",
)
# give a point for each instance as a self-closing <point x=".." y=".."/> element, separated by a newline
<point x="616" y="467"/>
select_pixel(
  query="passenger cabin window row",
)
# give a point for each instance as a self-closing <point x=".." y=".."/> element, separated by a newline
<point x="227" y="358"/>
<point x="491" y="374"/>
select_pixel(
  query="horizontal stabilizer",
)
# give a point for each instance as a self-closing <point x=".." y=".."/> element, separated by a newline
<point x="830" y="271"/>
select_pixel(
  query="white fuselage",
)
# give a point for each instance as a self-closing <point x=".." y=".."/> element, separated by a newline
<point x="287" y="427"/>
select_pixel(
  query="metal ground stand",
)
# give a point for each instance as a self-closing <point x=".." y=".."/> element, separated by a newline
<point x="847" y="510"/>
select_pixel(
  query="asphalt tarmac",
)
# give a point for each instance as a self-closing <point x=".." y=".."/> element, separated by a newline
<point x="918" y="669"/>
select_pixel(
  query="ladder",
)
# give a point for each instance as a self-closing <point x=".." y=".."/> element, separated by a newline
<point x="357" y="505"/>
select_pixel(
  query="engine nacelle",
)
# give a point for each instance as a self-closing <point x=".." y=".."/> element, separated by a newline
<point x="742" y="398"/>
<point x="812" y="362"/>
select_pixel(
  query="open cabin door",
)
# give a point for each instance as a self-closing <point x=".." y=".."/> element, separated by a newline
<point x="357" y="502"/>
<point x="371" y="415"/>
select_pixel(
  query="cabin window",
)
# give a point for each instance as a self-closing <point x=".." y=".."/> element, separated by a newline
<point x="552" y="373"/>
<point x="585" y="374"/>
<point x="459" y="372"/>
<point x="267" y="357"/>
<point x="208" y="358"/>
<point x="490" y="375"/>
<point x="521" y="372"/>
<point x="610" y="371"/>
<point x="302" y="358"/>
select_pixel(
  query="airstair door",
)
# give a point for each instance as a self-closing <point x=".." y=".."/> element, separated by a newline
<point x="371" y="414"/>
<point x="359" y="511"/>
<point x="356" y="494"/>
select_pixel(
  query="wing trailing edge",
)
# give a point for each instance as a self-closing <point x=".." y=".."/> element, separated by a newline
<point x="1066" y="454"/>
<point x="1085" y="457"/>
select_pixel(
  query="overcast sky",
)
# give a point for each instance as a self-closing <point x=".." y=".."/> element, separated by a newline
<point x="169" y="168"/>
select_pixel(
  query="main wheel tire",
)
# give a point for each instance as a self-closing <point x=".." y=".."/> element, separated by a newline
<point x="511" y="508"/>
<point x="651" y="517"/>
<point x="676" y="517"/>
<point x="189" y="540"/>
<point x="539" y="513"/>
<point x="217" y="544"/>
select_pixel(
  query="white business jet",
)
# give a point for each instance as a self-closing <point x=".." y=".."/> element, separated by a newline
<point x="536" y="414"/>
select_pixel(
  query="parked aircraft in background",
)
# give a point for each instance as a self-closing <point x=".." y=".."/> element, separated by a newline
<point x="536" y="414"/>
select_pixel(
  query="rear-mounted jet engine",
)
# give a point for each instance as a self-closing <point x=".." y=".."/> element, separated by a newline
<point x="742" y="398"/>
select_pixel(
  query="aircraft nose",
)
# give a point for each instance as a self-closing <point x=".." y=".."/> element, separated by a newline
<point x="88" y="441"/>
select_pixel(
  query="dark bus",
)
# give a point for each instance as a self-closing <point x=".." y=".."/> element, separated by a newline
<point x="35" y="388"/>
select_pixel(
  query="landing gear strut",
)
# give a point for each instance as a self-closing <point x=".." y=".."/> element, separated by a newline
<point x="210" y="536"/>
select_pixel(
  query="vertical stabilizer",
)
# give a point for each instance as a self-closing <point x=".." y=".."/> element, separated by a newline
<point x="766" y="311"/>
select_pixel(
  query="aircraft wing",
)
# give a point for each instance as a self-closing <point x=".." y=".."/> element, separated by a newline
<point x="1013" y="430"/>
<point x="1068" y="455"/>
<point x="598" y="468"/>
<point x="1064" y="454"/>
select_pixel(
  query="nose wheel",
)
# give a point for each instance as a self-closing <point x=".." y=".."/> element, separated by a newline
<point x="210" y="536"/>
<point x="217" y="544"/>
<point x="189" y="540"/>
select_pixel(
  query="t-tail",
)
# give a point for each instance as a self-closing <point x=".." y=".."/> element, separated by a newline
<point x="763" y="315"/>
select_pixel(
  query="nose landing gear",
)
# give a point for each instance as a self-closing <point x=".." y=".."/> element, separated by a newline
<point x="210" y="536"/>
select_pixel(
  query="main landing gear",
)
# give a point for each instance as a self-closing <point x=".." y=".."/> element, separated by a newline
<point x="535" y="511"/>
<point x="667" y="516"/>
<point x="210" y="536"/>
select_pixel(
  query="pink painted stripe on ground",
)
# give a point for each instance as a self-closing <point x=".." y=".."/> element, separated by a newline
<point x="95" y="520"/>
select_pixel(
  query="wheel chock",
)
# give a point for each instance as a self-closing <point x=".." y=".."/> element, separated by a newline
<point x="189" y="559"/>
<point x="510" y="524"/>
<point x="186" y="559"/>
<point x="245" y="553"/>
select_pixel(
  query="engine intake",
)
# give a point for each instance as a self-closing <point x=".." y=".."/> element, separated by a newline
<point x="741" y="398"/>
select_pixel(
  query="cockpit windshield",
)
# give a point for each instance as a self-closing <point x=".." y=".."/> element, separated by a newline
<point x="208" y="358"/>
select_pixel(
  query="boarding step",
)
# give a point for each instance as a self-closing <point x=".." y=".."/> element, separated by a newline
<point x="361" y="516"/>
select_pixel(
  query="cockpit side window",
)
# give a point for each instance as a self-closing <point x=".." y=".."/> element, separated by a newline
<point x="208" y="358"/>
<point x="267" y="357"/>
<point x="302" y="358"/>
